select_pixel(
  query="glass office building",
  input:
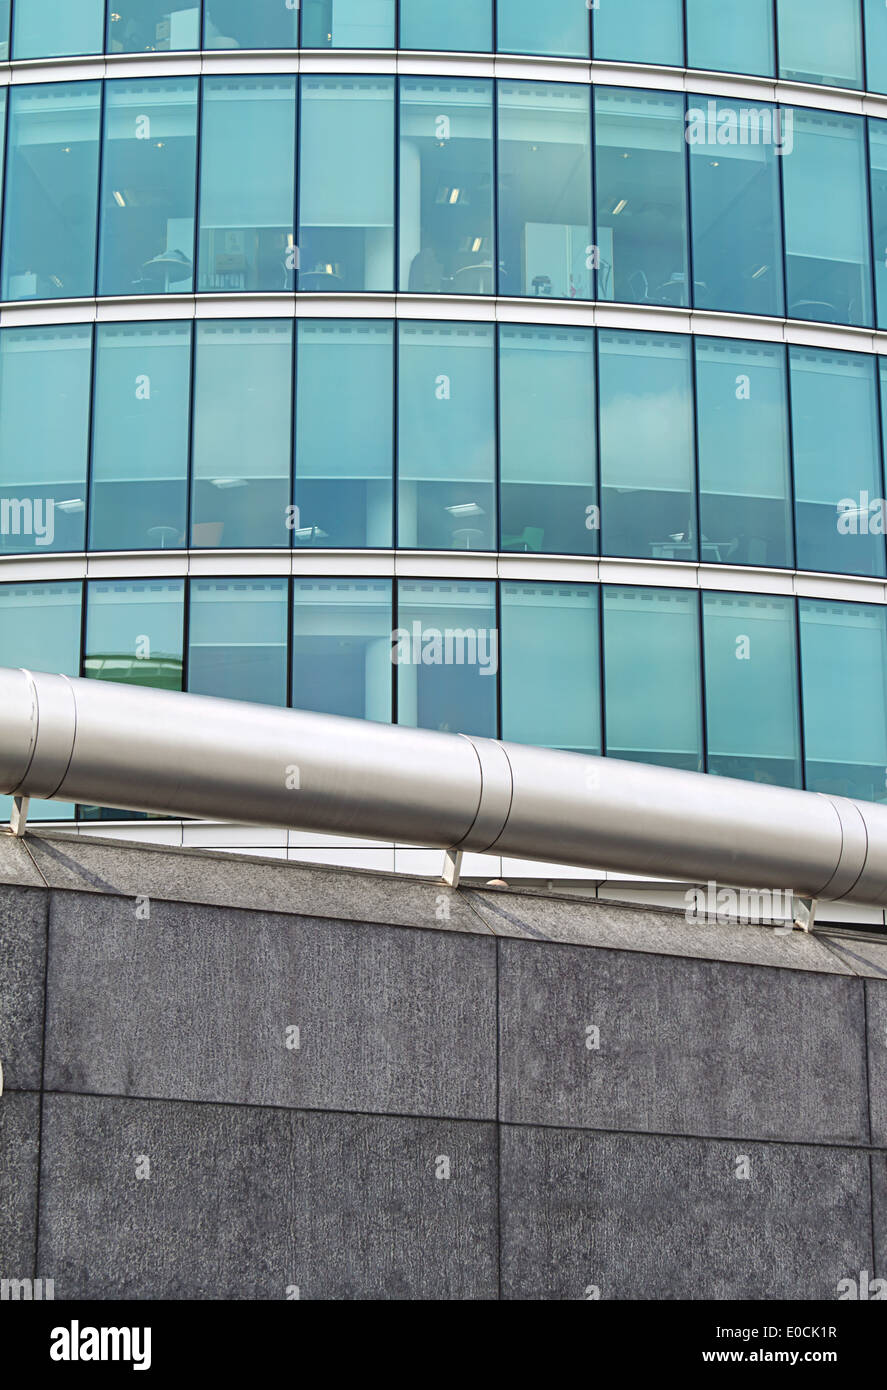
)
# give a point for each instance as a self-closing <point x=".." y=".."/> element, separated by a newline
<point x="502" y="368"/>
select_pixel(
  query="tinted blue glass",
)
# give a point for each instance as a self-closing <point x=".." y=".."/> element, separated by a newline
<point x="641" y="31"/>
<point x="446" y="437"/>
<point x="558" y="26"/>
<point x="148" y="187"/>
<point x="4" y="29"/>
<point x="153" y="26"/>
<point x="640" y="147"/>
<point x="837" y="456"/>
<point x="726" y="38"/>
<point x="547" y="445"/>
<point x="460" y="26"/>
<point x="346" y="188"/>
<point x="51" y="191"/>
<point x="551" y="666"/>
<point x="260" y="24"/>
<point x="247" y="184"/>
<point x="828" y="272"/>
<point x="44" y="428"/>
<point x="140" y="436"/>
<point x="647" y="473"/>
<point x="652" y="691"/>
<point x="242" y="433"/>
<point x="134" y="632"/>
<point x="875" y="45"/>
<point x="348" y="23"/>
<point x="446" y="651"/>
<point x="545" y="238"/>
<point x="342" y="647"/>
<point x="40" y="630"/>
<point x="41" y="30"/>
<point x="878" y="179"/>
<point x="744" y="473"/>
<point x="820" y="41"/>
<point x="237" y="639"/>
<point x="344" y="433"/>
<point x="751" y="688"/>
<point x="446" y="186"/>
<point x="844" y="669"/>
<point x="734" y="187"/>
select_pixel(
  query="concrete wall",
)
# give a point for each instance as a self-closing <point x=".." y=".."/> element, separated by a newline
<point x="494" y="1094"/>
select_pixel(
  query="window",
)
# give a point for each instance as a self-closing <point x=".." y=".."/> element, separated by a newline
<point x="51" y="191"/>
<point x="744" y="472"/>
<point x="460" y="26"/>
<point x="242" y="433"/>
<point x="247" y="184"/>
<point x="134" y="632"/>
<point x="837" y="455"/>
<point x="4" y="29"/>
<point x="844" y="672"/>
<point x="652" y="686"/>
<point x="734" y="185"/>
<point x="237" y="639"/>
<point x="344" y="433"/>
<point x="346" y="198"/>
<point x="875" y="45"/>
<point x="447" y="437"/>
<point x="44" y="427"/>
<point x="446" y="187"/>
<point x="153" y="26"/>
<point x="545" y="236"/>
<point x="348" y="23"/>
<point x="647" y="474"/>
<point x="878" y="161"/>
<point x="551" y="666"/>
<point x="640" y="31"/>
<point x="446" y="652"/>
<point x="820" y="41"/>
<point x="342" y="647"/>
<point x="726" y="38"/>
<point x="828" y="275"/>
<point x="260" y="24"/>
<point x="148" y="187"/>
<point x="641" y="196"/>
<point x="140" y="436"/>
<point x="558" y="27"/>
<point x="49" y="31"/>
<point x="548" y="490"/>
<point x="751" y="688"/>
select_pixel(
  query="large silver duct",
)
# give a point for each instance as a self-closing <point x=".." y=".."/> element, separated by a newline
<point x="190" y="755"/>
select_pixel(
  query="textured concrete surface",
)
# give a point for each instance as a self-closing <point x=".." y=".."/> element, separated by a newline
<point x="22" y="955"/>
<point x="879" y="1212"/>
<point x="876" y="1015"/>
<point x="19" y="1126"/>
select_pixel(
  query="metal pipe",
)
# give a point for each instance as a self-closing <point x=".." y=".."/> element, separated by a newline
<point x="174" y="754"/>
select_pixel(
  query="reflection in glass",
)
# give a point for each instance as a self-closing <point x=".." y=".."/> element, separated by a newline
<point x="558" y="27"/>
<point x="460" y="26"/>
<point x="134" y="632"/>
<point x="844" y="673"/>
<point x="878" y="181"/>
<point x="61" y="30"/>
<point x="640" y="31"/>
<point x="446" y="653"/>
<point x="875" y="47"/>
<point x="260" y="24"/>
<point x="348" y="23"/>
<point x="237" y="640"/>
<point x="342" y="647"/>
<point x="551" y="666"/>
<point x="4" y="29"/>
<point x="726" y="38"/>
<point x="153" y="26"/>
<point x="820" y="41"/>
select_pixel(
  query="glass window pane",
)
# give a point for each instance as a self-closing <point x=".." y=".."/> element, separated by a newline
<point x="260" y="24"/>
<point x="4" y="29"/>
<point x="751" y="688"/>
<point x="51" y="191"/>
<point x="837" y="461"/>
<point x="652" y="683"/>
<point x="828" y="276"/>
<point x="820" y="41"/>
<point x="640" y="146"/>
<point x="140" y="436"/>
<point x="875" y="45"/>
<point x="734" y="188"/>
<point x="49" y="31"/>
<point x="551" y="666"/>
<point x="247" y="183"/>
<point x="346" y="191"/>
<point x="647" y="472"/>
<point x="744" y="469"/>
<point x="40" y="630"/>
<point x="348" y="23"/>
<point x="545" y="237"/>
<point x="44" y="428"/>
<point x="344" y="433"/>
<point x="237" y="639"/>
<point x="446" y="186"/>
<point x="153" y="26"/>
<point x="559" y="27"/>
<point x="460" y="26"/>
<point x="148" y="187"/>
<point x="724" y="38"/>
<point x="134" y="632"/>
<point x="878" y="160"/>
<point x="447" y="437"/>
<point x="446" y="651"/>
<point x="640" y="31"/>
<point x="342" y="647"/>
<point x="549" y="477"/>
<point x="243" y="375"/>
<point x="844" y="671"/>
